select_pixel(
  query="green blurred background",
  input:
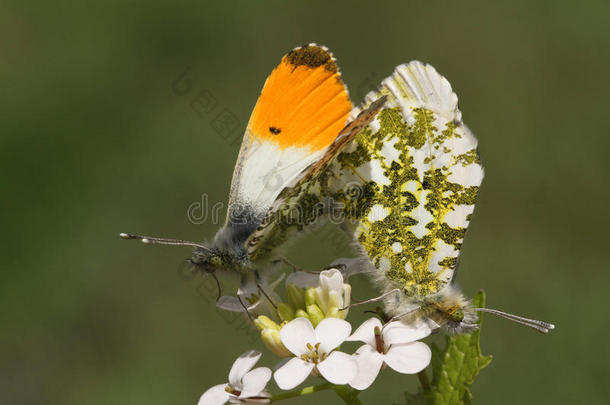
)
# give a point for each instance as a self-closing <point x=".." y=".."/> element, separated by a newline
<point x="96" y="138"/>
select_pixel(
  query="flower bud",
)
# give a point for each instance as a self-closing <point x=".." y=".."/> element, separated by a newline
<point x="315" y="314"/>
<point x="285" y="312"/>
<point x="271" y="339"/>
<point x="295" y="296"/>
<point x="334" y="300"/>
<point x="301" y="314"/>
<point x="321" y="298"/>
<point x="347" y="295"/>
<point x="263" y="323"/>
<point x="310" y="296"/>
<point x="334" y="312"/>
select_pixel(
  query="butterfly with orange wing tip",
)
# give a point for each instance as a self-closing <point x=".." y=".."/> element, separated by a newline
<point x="415" y="162"/>
<point x="299" y="123"/>
<point x="416" y="172"/>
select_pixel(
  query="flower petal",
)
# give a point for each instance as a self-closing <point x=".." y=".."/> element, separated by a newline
<point x="296" y="334"/>
<point x="347" y="295"/>
<point x="331" y="280"/>
<point x="338" y="368"/>
<point x="242" y="365"/>
<point x="255" y="381"/>
<point x="335" y="299"/>
<point x="331" y="332"/>
<point x="369" y="363"/>
<point x="292" y="373"/>
<point x="401" y="332"/>
<point x="366" y="332"/>
<point x="215" y="396"/>
<point x="408" y="358"/>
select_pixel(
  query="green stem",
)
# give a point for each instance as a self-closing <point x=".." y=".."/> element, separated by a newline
<point x="347" y="394"/>
<point x="423" y="380"/>
<point x="303" y="391"/>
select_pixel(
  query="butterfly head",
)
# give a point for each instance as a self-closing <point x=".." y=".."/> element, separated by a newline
<point x="449" y="308"/>
<point x="209" y="260"/>
<point x="461" y="320"/>
<point x="205" y="258"/>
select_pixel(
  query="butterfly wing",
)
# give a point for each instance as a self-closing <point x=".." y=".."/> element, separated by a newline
<point x="303" y="201"/>
<point x="299" y="113"/>
<point x="417" y="173"/>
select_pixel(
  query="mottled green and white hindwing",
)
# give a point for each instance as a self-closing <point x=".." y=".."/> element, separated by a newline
<point x="416" y="173"/>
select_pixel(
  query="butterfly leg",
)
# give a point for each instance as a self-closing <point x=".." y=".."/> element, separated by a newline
<point x="245" y="308"/>
<point x="382" y="296"/>
<point x="379" y="313"/>
<point x="339" y="266"/>
<point x="217" y="286"/>
<point x="286" y="262"/>
<point x="292" y="265"/>
<point x="262" y="290"/>
<point x="407" y="313"/>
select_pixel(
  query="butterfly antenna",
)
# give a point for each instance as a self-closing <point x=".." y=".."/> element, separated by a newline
<point x="540" y="326"/>
<point x="149" y="240"/>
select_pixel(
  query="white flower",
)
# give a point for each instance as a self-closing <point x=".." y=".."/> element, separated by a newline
<point x="314" y="352"/>
<point x="245" y="385"/>
<point x="395" y="345"/>
<point x="331" y="293"/>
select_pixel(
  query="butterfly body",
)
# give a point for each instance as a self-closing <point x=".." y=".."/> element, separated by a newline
<point x="401" y="171"/>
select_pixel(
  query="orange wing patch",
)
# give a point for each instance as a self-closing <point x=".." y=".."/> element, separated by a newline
<point x="304" y="102"/>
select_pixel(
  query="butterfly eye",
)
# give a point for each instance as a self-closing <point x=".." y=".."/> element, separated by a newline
<point x="216" y="260"/>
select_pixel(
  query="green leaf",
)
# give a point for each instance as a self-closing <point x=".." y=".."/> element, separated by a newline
<point x="455" y="367"/>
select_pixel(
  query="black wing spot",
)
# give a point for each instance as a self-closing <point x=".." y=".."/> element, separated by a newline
<point x="274" y="130"/>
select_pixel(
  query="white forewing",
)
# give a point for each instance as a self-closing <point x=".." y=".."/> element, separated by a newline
<point x="264" y="170"/>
